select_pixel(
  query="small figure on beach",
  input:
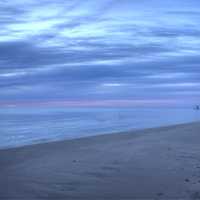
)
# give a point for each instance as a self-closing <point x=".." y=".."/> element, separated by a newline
<point x="197" y="107"/>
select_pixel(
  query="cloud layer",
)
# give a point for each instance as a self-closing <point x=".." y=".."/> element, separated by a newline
<point x="103" y="50"/>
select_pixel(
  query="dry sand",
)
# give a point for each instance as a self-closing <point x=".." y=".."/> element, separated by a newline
<point x="160" y="163"/>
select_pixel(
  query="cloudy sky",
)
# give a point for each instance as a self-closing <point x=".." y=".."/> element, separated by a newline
<point x="102" y="52"/>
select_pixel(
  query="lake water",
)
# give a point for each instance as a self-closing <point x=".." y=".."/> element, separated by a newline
<point x="20" y="127"/>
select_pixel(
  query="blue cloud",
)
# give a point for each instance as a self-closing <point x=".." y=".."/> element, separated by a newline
<point x="99" y="50"/>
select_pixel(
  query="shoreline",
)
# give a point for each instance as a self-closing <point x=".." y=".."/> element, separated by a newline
<point x="131" y="131"/>
<point x="154" y="163"/>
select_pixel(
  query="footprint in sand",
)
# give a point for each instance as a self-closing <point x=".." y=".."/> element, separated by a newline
<point x="195" y="195"/>
<point x="187" y="180"/>
<point x="160" y="194"/>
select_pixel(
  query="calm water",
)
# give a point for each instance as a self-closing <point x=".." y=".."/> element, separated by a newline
<point x="26" y="126"/>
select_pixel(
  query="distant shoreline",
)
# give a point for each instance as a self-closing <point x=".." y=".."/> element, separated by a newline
<point x="132" y="131"/>
<point x="23" y="127"/>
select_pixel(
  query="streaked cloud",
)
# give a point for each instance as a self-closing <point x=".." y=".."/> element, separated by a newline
<point x="99" y="50"/>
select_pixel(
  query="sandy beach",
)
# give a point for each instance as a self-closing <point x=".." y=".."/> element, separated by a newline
<point x="159" y="163"/>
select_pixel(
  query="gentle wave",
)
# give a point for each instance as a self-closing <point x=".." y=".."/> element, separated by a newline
<point x="26" y="126"/>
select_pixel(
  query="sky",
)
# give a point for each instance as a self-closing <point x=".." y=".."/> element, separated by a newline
<point x="100" y="53"/>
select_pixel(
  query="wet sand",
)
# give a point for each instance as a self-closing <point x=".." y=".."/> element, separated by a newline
<point x="159" y="163"/>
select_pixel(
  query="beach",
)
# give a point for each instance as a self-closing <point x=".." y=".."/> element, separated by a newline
<point x="156" y="163"/>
